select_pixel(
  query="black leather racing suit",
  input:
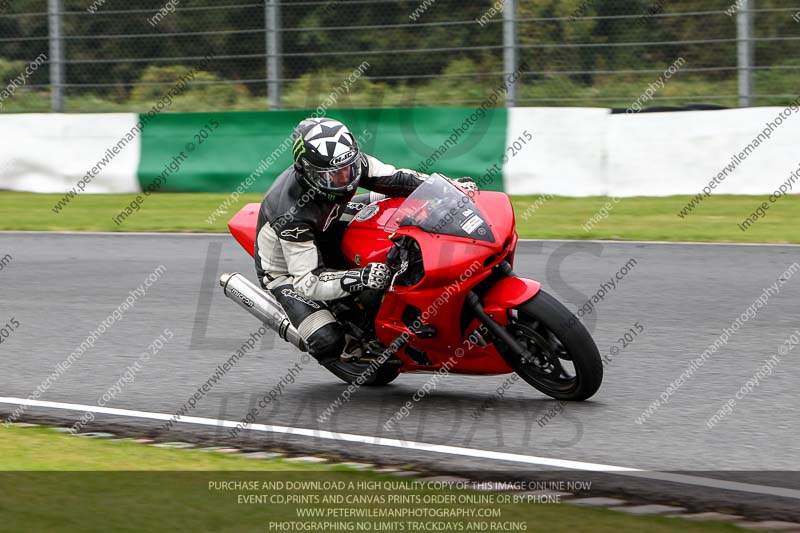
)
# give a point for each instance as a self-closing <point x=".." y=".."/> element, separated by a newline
<point x="297" y="252"/>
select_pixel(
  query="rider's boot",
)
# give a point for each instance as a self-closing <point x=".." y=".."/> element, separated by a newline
<point x="353" y="350"/>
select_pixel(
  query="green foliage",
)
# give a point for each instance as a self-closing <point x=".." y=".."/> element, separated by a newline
<point x="9" y="70"/>
<point x="328" y="40"/>
<point x="24" y="99"/>
<point x="205" y="96"/>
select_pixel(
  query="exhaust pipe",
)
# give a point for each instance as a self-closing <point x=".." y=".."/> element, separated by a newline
<point x="262" y="305"/>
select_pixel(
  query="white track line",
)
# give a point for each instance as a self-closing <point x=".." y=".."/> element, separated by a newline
<point x="669" y="243"/>
<point x="426" y="447"/>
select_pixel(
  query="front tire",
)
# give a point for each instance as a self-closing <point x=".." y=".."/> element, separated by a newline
<point x="565" y="364"/>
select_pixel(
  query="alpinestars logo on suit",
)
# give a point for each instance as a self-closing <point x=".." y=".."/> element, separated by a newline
<point x="293" y="233"/>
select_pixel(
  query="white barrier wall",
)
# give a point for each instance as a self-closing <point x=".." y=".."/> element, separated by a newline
<point x="52" y="152"/>
<point x="572" y="152"/>
<point x="586" y="152"/>
<point x="567" y="155"/>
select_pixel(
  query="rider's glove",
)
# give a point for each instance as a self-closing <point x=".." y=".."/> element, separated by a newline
<point x="373" y="276"/>
<point x="467" y="184"/>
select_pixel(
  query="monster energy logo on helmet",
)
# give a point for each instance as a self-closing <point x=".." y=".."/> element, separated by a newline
<point x="298" y="149"/>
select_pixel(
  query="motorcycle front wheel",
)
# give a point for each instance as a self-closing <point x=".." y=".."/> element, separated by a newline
<point x="564" y="362"/>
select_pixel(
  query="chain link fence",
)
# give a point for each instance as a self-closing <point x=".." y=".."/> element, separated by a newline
<point x="110" y="55"/>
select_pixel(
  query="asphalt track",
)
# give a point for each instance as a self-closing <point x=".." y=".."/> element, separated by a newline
<point x="59" y="287"/>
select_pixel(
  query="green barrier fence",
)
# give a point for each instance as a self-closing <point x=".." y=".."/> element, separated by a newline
<point x="216" y="152"/>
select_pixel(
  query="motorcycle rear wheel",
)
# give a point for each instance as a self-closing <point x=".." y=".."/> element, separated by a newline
<point x="558" y="341"/>
<point x="360" y="373"/>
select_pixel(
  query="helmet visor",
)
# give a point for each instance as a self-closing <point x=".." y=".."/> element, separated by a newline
<point x="334" y="179"/>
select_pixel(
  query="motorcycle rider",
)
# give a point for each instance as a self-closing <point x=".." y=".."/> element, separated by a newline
<point x="301" y="223"/>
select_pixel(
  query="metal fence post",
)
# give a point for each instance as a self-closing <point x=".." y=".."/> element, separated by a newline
<point x="55" y="10"/>
<point x="745" y="52"/>
<point x="272" y="14"/>
<point x="510" y="48"/>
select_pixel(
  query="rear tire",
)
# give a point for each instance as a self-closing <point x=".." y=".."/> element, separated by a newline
<point x="556" y="337"/>
<point x="354" y="373"/>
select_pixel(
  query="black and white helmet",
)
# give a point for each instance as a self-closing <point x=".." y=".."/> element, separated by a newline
<point x="326" y="155"/>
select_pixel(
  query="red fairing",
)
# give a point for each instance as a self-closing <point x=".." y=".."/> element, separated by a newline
<point x="508" y="293"/>
<point x="365" y="240"/>
<point x="243" y="227"/>
<point x="454" y="266"/>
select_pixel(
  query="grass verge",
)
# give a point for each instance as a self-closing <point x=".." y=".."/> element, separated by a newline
<point x="56" y="482"/>
<point x="638" y="218"/>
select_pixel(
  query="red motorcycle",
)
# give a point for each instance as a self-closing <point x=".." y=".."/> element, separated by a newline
<point x="454" y="304"/>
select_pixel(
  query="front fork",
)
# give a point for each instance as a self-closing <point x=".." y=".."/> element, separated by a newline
<point x="507" y="292"/>
<point x="498" y="330"/>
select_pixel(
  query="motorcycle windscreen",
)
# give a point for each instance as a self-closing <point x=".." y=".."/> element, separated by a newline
<point x="438" y="206"/>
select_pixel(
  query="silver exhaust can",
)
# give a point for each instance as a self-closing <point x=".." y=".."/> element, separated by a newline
<point x="262" y="305"/>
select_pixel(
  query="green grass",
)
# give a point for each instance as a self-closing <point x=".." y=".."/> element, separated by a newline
<point x="685" y="88"/>
<point x="638" y="218"/>
<point x="56" y="482"/>
<point x="655" y="219"/>
<point x="35" y="449"/>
